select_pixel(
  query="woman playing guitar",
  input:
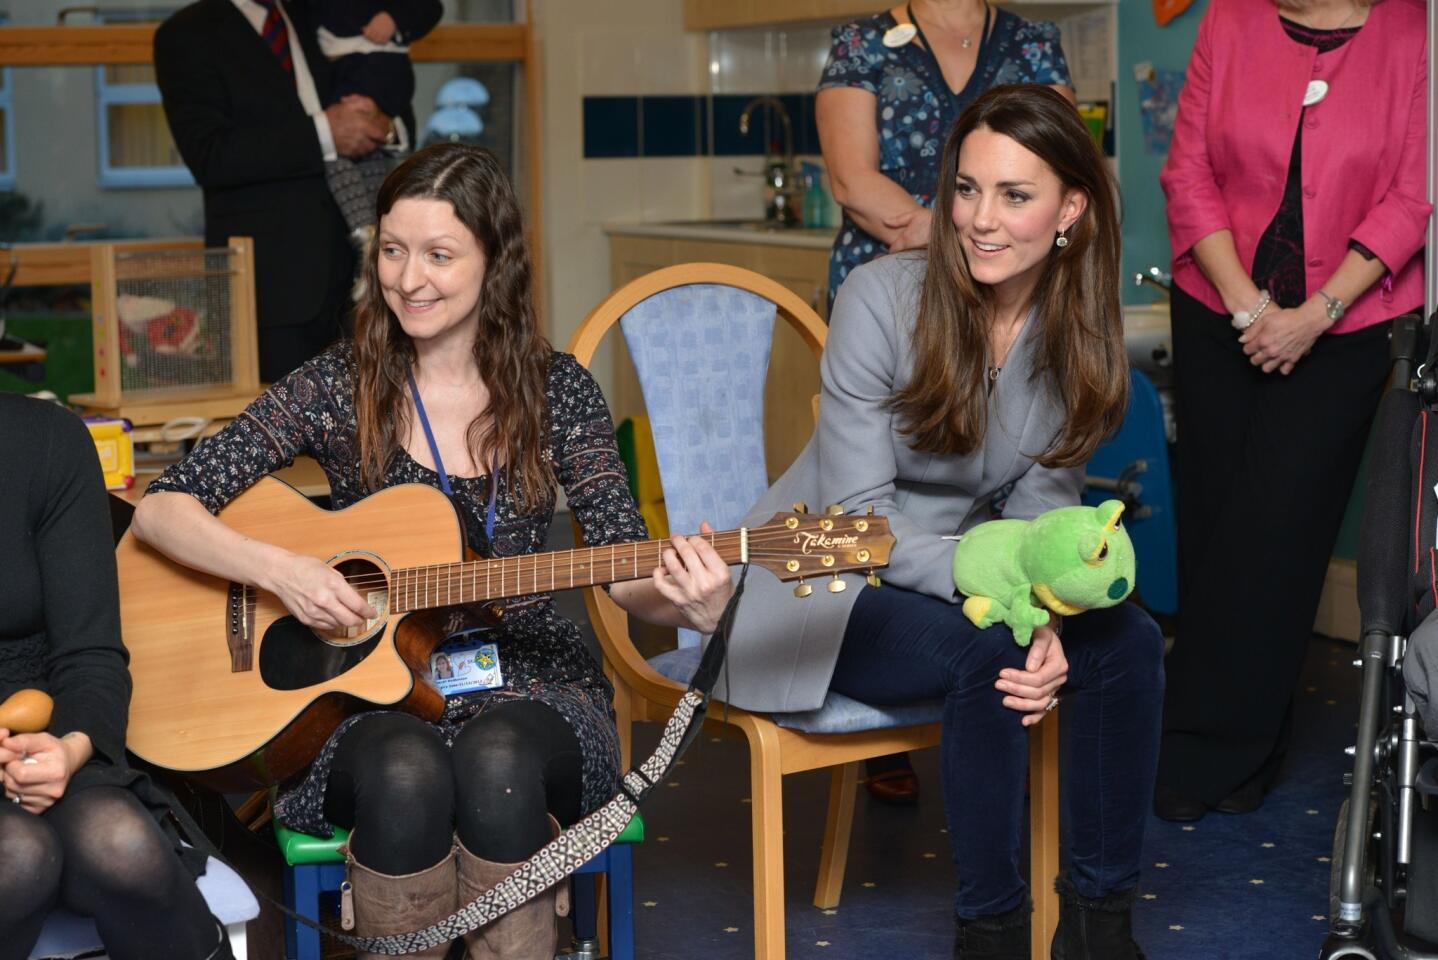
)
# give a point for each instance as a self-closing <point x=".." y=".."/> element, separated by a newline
<point x="447" y="382"/>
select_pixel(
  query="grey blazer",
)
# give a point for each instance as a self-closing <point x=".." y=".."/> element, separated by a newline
<point x="782" y="649"/>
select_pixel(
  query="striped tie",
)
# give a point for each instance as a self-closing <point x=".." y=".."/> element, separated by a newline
<point x="276" y="37"/>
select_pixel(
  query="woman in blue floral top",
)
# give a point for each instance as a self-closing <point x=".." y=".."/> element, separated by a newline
<point x="892" y="87"/>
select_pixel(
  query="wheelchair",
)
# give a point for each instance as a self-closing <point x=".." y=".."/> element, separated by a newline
<point x="1383" y="891"/>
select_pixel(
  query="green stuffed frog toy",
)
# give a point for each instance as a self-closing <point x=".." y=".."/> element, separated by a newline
<point x="1064" y="561"/>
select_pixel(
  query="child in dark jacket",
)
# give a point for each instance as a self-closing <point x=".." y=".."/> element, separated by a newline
<point x="367" y="42"/>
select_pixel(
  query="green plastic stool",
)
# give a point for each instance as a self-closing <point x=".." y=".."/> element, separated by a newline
<point x="314" y="866"/>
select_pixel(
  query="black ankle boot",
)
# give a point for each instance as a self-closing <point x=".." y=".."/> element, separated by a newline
<point x="1004" y="936"/>
<point x="1090" y="929"/>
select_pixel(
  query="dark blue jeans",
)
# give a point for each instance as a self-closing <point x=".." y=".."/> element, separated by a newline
<point x="901" y="646"/>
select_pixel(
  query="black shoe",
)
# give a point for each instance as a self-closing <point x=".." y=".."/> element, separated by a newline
<point x="1246" y="799"/>
<point x="1170" y="805"/>
<point x="1094" y="929"/>
<point x="1004" y="936"/>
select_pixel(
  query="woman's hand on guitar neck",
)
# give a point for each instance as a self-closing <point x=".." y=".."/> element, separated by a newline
<point x="316" y="593"/>
<point x="695" y="580"/>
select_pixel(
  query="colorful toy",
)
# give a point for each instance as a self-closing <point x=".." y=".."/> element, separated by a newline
<point x="1064" y="561"/>
<point x="116" y="446"/>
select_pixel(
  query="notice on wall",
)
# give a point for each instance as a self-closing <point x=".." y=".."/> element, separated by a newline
<point x="1158" y="104"/>
<point x="1088" y="45"/>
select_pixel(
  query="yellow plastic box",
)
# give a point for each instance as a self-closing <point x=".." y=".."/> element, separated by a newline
<point x="116" y="447"/>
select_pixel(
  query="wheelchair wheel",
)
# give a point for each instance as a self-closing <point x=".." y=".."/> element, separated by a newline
<point x="1335" y="870"/>
<point x="1420" y="907"/>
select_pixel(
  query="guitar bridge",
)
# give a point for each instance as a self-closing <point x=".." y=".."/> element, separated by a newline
<point x="240" y="628"/>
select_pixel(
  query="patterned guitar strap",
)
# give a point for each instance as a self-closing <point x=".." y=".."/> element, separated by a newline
<point x="585" y="840"/>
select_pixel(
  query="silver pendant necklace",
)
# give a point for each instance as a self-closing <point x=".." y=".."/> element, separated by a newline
<point x="965" y="42"/>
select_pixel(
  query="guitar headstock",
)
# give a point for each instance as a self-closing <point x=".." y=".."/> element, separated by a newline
<point x="799" y="545"/>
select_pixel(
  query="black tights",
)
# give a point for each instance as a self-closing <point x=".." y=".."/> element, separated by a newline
<point x="405" y="795"/>
<point x="100" y="853"/>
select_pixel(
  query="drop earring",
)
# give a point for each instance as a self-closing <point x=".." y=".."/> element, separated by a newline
<point x="1061" y="240"/>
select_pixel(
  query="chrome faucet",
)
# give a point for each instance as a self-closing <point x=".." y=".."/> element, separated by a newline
<point x="1154" y="277"/>
<point x="783" y="192"/>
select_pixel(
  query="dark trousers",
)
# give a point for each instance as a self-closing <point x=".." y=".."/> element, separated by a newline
<point x="901" y="646"/>
<point x="1265" y="467"/>
<point x="285" y="347"/>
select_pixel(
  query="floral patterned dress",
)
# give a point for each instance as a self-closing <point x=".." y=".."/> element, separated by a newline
<point x="915" y="107"/>
<point x="311" y="411"/>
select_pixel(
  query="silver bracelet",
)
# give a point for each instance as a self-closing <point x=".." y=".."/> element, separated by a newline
<point x="1243" y="319"/>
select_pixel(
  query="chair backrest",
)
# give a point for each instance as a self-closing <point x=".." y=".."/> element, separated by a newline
<point x="700" y="335"/>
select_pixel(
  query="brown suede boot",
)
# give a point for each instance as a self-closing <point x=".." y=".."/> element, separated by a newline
<point x="528" y="932"/>
<point x="384" y="905"/>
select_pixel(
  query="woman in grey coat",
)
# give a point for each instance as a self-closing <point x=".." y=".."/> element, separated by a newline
<point x="982" y="372"/>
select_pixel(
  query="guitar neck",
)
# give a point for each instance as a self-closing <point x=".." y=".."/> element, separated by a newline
<point x="447" y="584"/>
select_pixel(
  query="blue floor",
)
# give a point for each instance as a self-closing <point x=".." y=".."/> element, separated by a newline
<point x="1254" y="886"/>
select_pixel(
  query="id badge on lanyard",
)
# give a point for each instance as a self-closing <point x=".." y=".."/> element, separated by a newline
<point x="466" y="662"/>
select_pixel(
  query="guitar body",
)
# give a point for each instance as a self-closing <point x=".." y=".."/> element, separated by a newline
<point x="229" y="687"/>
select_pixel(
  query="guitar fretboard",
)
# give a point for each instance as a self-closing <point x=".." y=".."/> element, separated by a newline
<point x="447" y="584"/>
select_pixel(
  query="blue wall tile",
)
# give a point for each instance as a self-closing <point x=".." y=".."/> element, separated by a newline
<point x="674" y="126"/>
<point x="728" y="141"/>
<point x="682" y="126"/>
<point x="611" y="127"/>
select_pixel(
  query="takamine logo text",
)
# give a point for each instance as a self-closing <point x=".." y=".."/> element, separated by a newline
<point x="821" y="541"/>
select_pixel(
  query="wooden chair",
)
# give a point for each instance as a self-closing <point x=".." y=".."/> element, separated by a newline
<point x="697" y="316"/>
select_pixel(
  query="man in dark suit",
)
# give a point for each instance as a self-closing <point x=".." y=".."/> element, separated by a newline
<point x="243" y="82"/>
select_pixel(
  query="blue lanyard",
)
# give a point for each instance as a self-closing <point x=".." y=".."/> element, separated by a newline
<point x="439" y="461"/>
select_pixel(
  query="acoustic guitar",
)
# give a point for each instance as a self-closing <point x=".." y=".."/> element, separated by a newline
<point x="230" y="688"/>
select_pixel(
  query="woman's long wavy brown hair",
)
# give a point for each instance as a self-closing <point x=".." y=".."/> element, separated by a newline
<point x="511" y="354"/>
<point x="944" y="407"/>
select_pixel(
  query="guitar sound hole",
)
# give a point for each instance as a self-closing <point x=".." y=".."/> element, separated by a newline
<point x="294" y="656"/>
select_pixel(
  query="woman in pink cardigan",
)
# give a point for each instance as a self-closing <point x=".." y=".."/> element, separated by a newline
<point x="1296" y="211"/>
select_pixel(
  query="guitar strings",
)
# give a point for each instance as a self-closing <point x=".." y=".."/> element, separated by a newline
<point x="518" y="569"/>
<point x="757" y="537"/>
<point x="442" y="579"/>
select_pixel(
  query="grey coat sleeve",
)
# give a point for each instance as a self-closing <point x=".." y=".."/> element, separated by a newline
<point x="857" y="431"/>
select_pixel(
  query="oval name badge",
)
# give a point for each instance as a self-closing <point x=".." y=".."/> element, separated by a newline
<point x="900" y="34"/>
<point x="1317" y="90"/>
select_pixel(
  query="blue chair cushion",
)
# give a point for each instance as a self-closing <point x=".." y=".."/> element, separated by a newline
<point x="230" y="900"/>
<point x="839" y="714"/>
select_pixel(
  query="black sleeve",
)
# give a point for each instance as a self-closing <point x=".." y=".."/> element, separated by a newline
<point x="414" y="18"/>
<point x="586" y="457"/>
<point x="86" y="667"/>
<point x="220" y="149"/>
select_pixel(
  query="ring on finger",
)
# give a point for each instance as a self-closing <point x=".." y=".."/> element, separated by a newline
<point x="1053" y="702"/>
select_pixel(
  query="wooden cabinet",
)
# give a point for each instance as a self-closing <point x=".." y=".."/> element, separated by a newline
<point x="726" y="14"/>
<point x="716" y="14"/>
<point x="793" y="370"/>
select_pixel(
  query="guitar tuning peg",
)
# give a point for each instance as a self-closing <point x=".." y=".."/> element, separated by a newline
<point x="801" y="507"/>
<point x="803" y="589"/>
<point x="834" y="510"/>
<point x="836" y="585"/>
<point x="872" y="579"/>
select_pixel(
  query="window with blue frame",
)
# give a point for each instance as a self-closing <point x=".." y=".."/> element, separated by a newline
<point x="7" y="133"/>
<point x="136" y="149"/>
<point x="7" y="128"/>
